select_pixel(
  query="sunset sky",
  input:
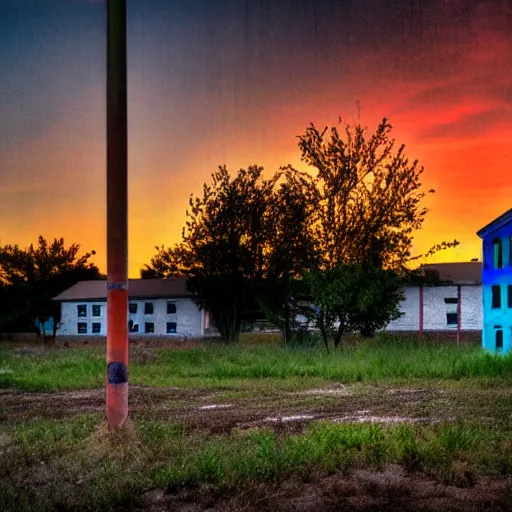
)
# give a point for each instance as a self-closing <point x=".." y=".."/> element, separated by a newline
<point x="234" y="82"/>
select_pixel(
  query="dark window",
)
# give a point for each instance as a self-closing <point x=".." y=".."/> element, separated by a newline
<point x="496" y="297"/>
<point x="148" y="308"/>
<point x="96" y="310"/>
<point x="450" y="300"/>
<point x="81" y="310"/>
<point x="81" y="328"/>
<point x="497" y="250"/>
<point x="499" y="339"/>
<point x="171" y="308"/>
<point x="451" y="318"/>
<point x="149" y="327"/>
<point x="133" y="327"/>
<point x="509" y="301"/>
<point x="96" y="327"/>
<point x="132" y="308"/>
<point x="171" y="327"/>
<point x="510" y="251"/>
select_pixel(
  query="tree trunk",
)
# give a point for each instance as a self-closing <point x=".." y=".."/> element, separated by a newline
<point x="323" y="331"/>
<point x="286" y="326"/>
<point x="339" y="335"/>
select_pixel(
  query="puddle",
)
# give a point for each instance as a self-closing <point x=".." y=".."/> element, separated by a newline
<point x="215" y="406"/>
<point x="376" y="419"/>
<point x="292" y="418"/>
<point x="325" y="392"/>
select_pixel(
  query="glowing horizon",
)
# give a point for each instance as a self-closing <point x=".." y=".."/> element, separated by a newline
<point x="210" y="86"/>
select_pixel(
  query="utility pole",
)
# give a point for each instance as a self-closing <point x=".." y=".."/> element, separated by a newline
<point x="117" y="216"/>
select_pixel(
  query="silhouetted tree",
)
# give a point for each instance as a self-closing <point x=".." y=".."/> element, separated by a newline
<point x="36" y="274"/>
<point x="247" y="235"/>
<point x="369" y="205"/>
<point x="369" y="196"/>
<point x="222" y="252"/>
<point x="292" y="250"/>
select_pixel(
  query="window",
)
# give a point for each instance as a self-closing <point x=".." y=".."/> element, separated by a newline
<point x="81" y="328"/>
<point x="451" y="300"/>
<point x="148" y="308"/>
<point x="496" y="297"/>
<point x="509" y="292"/>
<point x="171" y="327"/>
<point x="132" y="308"/>
<point x="497" y="250"/>
<point x="96" y="310"/>
<point x="149" y="327"/>
<point x="510" y="251"/>
<point x="171" y="308"/>
<point x="499" y="339"/>
<point x="451" y="318"/>
<point x="133" y="327"/>
<point x="81" y="310"/>
<point x="96" y="327"/>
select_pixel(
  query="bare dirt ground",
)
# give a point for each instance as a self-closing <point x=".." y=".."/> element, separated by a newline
<point x="221" y="411"/>
<point x="390" y="490"/>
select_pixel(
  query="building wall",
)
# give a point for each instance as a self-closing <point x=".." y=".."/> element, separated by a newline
<point x="410" y="306"/>
<point x="68" y="325"/>
<point x="497" y="319"/>
<point x="435" y="309"/>
<point x="188" y="318"/>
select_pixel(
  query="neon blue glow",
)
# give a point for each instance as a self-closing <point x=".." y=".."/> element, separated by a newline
<point x="497" y="313"/>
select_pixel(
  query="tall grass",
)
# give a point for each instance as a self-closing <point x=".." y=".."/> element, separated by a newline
<point x="76" y="476"/>
<point x="218" y="365"/>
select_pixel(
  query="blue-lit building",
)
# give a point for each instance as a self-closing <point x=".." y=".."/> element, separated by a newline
<point x="497" y="283"/>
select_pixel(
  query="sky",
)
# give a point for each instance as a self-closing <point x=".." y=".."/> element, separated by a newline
<point x="234" y="82"/>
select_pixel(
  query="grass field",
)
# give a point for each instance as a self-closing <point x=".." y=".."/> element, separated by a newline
<point x="387" y="424"/>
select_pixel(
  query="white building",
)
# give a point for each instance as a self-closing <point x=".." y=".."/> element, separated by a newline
<point x="165" y="307"/>
<point x="455" y="304"/>
<point x="156" y="307"/>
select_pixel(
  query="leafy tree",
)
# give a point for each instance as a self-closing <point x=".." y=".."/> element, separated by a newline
<point x="36" y="274"/>
<point x="222" y="252"/>
<point x="353" y="297"/>
<point x="369" y="205"/>
<point x="291" y="250"/>
<point x="369" y="196"/>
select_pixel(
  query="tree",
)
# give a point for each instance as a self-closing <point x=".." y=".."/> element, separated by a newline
<point x="353" y="298"/>
<point x="222" y="252"/>
<point x="369" y="196"/>
<point x="291" y="250"/>
<point x="36" y="274"/>
<point x="369" y="205"/>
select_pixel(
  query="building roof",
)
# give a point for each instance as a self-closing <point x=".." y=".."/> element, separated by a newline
<point x="137" y="288"/>
<point x="469" y="272"/>
<point x="496" y="224"/>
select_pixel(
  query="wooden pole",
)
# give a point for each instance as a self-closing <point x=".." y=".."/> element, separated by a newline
<point x="117" y="216"/>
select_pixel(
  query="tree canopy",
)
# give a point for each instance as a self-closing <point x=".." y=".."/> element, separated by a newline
<point x="339" y="236"/>
<point x="32" y="276"/>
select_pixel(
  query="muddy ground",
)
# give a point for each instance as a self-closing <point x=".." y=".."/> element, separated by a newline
<point x="248" y="406"/>
<point x="220" y="411"/>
